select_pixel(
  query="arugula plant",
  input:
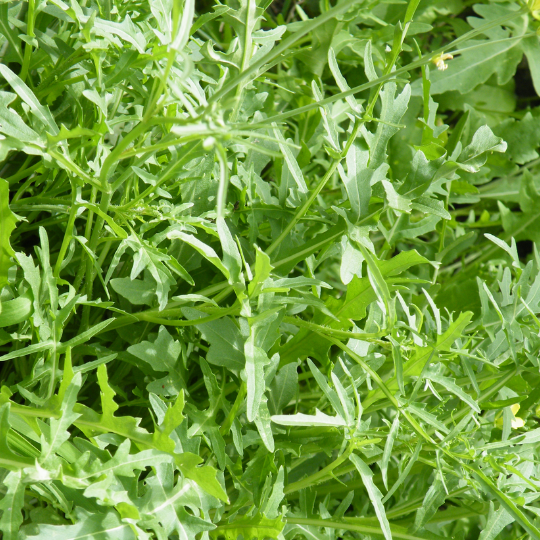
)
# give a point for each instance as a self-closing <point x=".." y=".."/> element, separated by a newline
<point x="269" y="270"/>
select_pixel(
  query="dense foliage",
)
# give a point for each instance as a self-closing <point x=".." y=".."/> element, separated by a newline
<point x="269" y="270"/>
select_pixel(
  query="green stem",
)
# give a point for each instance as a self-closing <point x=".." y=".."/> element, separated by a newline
<point x="67" y="237"/>
<point x="347" y="526"/>
<point x="286" y="44"/>
<point x="246" y="55"/>
<point x="165" y="144"/>
<point x="144" y="316"/>
<point x="226" y="426"/>
<point x="23" y="172"/>
<point x="380" y="383"/>
<point x="223" y="181"/>
<point x="333" y="332"/>
<point x="173" y="167"/>
<point x="151" y="108"/>
<point x="320" y="476"/>
<point x="314" y="194"/>
<point x="390" y="76"/>
<point x="70" y="166"/>
<point x="106" y="197"/>
<point x="87" y="233"/>
<point x="115" y="155"/>
<point x="30" y="33"/>
<point x="335" y="163"/>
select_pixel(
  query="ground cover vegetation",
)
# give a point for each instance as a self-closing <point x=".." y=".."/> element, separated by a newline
<point x="269" y="270"/>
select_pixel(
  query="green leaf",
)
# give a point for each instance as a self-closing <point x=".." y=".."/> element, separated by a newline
<point x="531" y="48"/>
<point x="137" y="291"/>
<point x="264" y="427"/>
<point x="500" y="404"/>
<point x="319" y="419"/>
<point x="258" y="527"/>
<point x="8" y="32"/>
<point x="12" y="124"/>
<point x="393" y="109"/>
<point x="433" y="499"/>
<point x="206" y="251"/>
<point x="226" y="342"/>
<point x="415" y="365"/>
<point x="271" y="508"/>
<point x="360" y="294"/>
<point x="261" y="273"/>
<point x="33" y="278"/>
<point x="392" y="434"/>
<point x="7" y="224"/>
<point x="123" y="464"/>
<point x="56" y="434"/>
<point x="291" y="162"/>
<point x="8" y="459"/>
<point x="398" y="364"/>
<point x="231" y="256"/>
<point x="283" y="388"/>
<point x="15" y="311"/>
<point x="485" y="58"/>
<point x="522" y="138"/>
<point x="340" y="80"/>
<point x="163" y="355"/>
<point x="103" y="526"/>
<point x="330" y="393"/>
<point x="128" y="426"/>
<point x="359" y="178"/>
<point x="256" y="360"/>
<point x="11" y="506"/>
<point x="477" y="66"/>
<point x="496" y="522"/>
<point x="449" y="384"/>
<point x="374" y="494"/>
<point x="474" y="156"/>
<point x="506" y="502"/>
<point x="167" y="506"/>
<point x="126" y="30"/>
<point x="41" y="112"/>
<point x="406" y="471"/>
<point x="427" y="417"/>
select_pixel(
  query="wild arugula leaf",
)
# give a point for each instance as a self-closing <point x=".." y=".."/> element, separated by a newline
<point x="107" y="526"/>
<point x="7" y="224"/>
<point x="314" y="228"/>
<point x="11" y="505"/>
<point x="163" y="355"/>
<point x="497" y="56"/>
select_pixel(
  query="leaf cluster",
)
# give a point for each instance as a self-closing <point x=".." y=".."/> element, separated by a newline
<point x="269" y="270"/>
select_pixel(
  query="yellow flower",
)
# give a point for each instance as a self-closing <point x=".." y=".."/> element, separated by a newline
<point x="439" y="60"/>
<point x="516" y="422"/>
<point x="534" y="6"/>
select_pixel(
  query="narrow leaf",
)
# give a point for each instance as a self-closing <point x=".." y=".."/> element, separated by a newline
<point x="374" y="494"/>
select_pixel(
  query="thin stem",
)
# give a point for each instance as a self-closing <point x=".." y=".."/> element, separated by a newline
<point x="238" y="402"/>
<point x="265" y="61"/>
<point x="326" y="473"/>
<point x="30" y="33"/>
<point x="68" y="235"/>
<point x="389" y="76"/>
<point x="314" y="194"/>
<point x="334" y="332"/>
<point x="246" y="54"/>
<point x="347" y="526"/>
<point x="144" y="316"/>
<point x="223" y="181"/>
